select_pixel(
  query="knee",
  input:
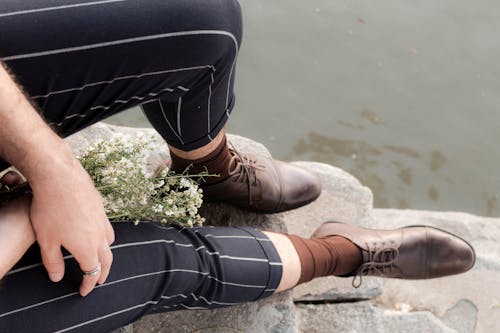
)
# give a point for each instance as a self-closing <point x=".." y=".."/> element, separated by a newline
<point x="231" y="14"/>
<point x="224" y="16"/>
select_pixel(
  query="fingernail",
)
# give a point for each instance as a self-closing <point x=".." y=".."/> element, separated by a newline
<point x="55" y="277"/>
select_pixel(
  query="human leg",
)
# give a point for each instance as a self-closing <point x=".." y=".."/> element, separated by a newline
<point x="176" y="58"/>
<point x="112" y="55"/>
<point x="156" y="269"/>
<point x="163" y="268"/>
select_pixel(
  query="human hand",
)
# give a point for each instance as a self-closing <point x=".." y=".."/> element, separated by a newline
<point x="68" y="211"/>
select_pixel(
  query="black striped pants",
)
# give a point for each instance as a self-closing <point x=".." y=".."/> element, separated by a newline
<point x="84" y="60"/>
<point x="156" y="268"/>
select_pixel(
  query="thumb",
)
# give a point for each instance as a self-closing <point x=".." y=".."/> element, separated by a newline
<point x="11" y="178"/>
<point x="54" y="262"/>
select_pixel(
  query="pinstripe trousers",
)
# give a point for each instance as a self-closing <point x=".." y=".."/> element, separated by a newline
<point x="156" y="269"/>
<point x="81" y="61"/>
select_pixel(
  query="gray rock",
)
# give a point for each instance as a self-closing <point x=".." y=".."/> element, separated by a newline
<point x="337" y="289"/>
<point x="362" y="317"/>
<point x="275" y="314"/>
<point x="125" y="329"/>
<point x="367" y="318"/>
<point x="464" y="303"/>
<point x="462" y="317"/>
<point x="479" y="286"/>
<point x="412" y="322"/>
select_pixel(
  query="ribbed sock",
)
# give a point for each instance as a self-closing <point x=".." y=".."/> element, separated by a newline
<point x="217" y="162"/>
<point x="332" y="255"/>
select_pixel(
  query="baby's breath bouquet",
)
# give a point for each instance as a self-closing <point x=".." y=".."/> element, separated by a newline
<point x="119" y="169"/>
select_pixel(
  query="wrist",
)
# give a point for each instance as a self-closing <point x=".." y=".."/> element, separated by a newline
<point x="50" y="165"/>
<point x="26" y="141"/>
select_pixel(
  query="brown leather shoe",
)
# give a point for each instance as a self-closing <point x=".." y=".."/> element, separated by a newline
<point x="416" y="252"/>
<point x="264" y="185"/>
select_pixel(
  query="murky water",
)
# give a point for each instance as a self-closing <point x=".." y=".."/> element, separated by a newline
<point x="404" y="95"/>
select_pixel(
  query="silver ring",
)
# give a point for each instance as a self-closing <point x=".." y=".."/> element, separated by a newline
<point x="94" y="271"/>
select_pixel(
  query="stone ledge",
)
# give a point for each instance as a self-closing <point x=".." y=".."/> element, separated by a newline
<point x="466" y="303"/>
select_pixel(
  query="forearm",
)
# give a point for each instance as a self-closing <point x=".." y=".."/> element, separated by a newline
<point x="66" y="210"/>
<point x="26" y="141"/>
<point x="16" y="233"/>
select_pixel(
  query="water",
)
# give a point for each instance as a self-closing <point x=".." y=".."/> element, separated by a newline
<point x="404" y="95"/>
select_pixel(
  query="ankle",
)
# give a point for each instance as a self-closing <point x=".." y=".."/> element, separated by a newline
<point x="215" y="163"/>
<point x="332" y="255"/>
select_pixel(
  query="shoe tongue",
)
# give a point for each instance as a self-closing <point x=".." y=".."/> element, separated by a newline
<point x="366" y="255"/>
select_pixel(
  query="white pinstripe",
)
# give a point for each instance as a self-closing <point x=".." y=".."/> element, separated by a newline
<point x="168" y="123"/>
<point x="21" y="269"/>
<point x="158" y="241"/>
<point x="174" y="296"/>
<point x="107" y="284"/>
<point x="179" y="106"/>
<point x="168" y="241"/>
<point x="46" y="9"/>
<point x="193" y="307"/>
<point x="146" y="38"/>
<point x="159" y="226"/>
<point x="107" y="316"/>
<point x="238" y="237"/>
<point x="126" y="77"/>
<point x="25" y="268"/>
<point x="210" y="302"/>
<point x="197" y="298"/>
<point x="223" y="256"/>
<point x="83" y="115"/>
<point x="209" y="125"/>
<point x="229" y="81"/>
<point x="234" y="284"/>
<point x="120" y="101"/>
<point x="275" y="263"/>
<point x="38" y="304"/>
<point x="124" y="41"/>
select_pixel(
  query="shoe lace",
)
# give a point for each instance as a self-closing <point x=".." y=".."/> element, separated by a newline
<point x="245" y="169"/>
<point x="380" y="262"/>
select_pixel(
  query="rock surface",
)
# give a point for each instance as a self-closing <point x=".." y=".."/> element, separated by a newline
<point x="466" y="303"/>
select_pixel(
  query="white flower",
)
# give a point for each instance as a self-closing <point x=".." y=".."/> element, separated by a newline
<point x="130" y="191"/>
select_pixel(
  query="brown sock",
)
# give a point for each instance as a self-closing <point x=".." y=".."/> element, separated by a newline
<point x="332" y="255"/>
<point x="217" y="162"/>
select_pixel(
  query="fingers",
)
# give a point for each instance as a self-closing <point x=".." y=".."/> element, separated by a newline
<point x="54" y="262"/>
<point x="106" y="258"/>
<point x="94" y="269"/>
<point x="110" y="233"/>
<point x="98" y="267"/>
